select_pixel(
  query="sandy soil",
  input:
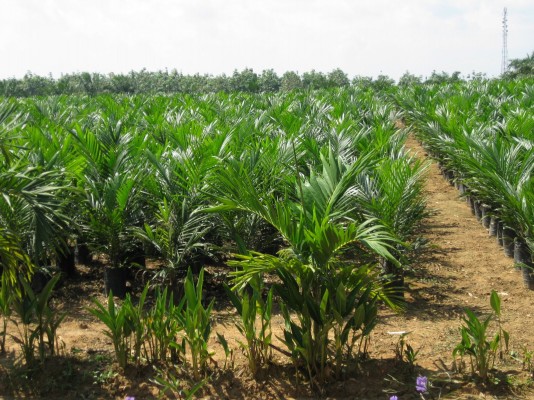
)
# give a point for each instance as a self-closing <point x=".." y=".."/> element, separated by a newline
<point x="458" y="269"/>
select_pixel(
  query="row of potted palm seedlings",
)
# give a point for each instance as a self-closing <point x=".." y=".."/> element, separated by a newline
<point x="482" y="138"/>
<point x="314" y="187"/>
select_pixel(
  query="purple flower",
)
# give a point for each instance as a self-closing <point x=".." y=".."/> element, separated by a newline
<point x="420" y="384"/>
<point x="393" y="398"/>
<point x="129" y="398"/>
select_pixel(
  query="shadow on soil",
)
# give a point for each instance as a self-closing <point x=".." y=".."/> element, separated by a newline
<point x="65" y="377"/>
<point x="373" y="379"/>
<point x="430" y="295"/>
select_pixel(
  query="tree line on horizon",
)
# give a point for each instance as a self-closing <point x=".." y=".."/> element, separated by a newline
<point x="165" y="82"/>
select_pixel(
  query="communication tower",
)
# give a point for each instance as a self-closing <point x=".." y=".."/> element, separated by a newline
<point x="504" y="63"/>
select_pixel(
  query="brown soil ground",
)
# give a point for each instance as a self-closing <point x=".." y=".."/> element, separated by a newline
<point x="458" y="269"/>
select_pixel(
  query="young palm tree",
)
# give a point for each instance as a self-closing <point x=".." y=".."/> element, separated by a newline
<point x="110" y="180"/>
<point x="30" y="222"/>
<point x="316" y="221"/>
<point x="393" y="195"/>
<point x="175" y="228"/>
<point x="482" y="135"/>
<point x="31" y="205"/>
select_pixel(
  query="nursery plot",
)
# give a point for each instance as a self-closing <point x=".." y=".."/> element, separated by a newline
<point x="458" y="271"/>
<point x="310" y="197"/>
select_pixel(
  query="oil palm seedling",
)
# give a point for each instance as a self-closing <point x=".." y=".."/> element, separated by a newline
<point x="110" y="181"/>
<point x="252" y="307"/>
<point x="316" y="221"/>
<point x="476" y="341"/>
<point x="32" y="211"/>
<point x="37" y="322"/>
<point x="393" y="195"/>
<point x="176" y="228"/>
<point x="51" y="150"/>
<point x="482" y="137"/>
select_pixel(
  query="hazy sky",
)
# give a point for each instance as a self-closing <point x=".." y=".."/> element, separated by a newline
<point x="362" y="37"/>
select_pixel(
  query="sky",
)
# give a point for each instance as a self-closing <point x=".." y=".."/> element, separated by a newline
<point x="362" y="37"/>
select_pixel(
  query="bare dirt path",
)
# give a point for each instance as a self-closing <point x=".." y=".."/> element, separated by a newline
<point x="461" y="267"/>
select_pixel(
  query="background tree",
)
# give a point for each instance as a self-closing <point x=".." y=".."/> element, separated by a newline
<point x="290" y="81"/>
<point x="338" y="78"/>
<point x="219" y="83"/>
<point x="443" y="77"/>
<point x="362" y="81"/>
<point x="245" y="81"/>
<point x="519" y="67"/>
<point x="383" y="82"/>
<point x="314" y="80"/>
<point x="269" y="81"/>
<point x="35" y="85"/>
<point x="91" y="84"/>
<point x="122" y="83"/>
<point x="408" y="79"/>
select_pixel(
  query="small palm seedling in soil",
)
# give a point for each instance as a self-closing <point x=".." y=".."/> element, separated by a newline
<point x="119" y="326"/>
<point x="161" y="328"/>
<point x="196" y="321"/>
<point x="526" y="358"/>
<point x="228" y="352"/>
<point x="411" y="356"/>
<point x="155" y="332"/>
<point x="251" y="306"/>
<point x="477" y="344"/>
<point x="528" y="361"/>
<point x="139" y="333"/>
<point x="495" y="302"/>
<point x="404" y="352"/>
<point x="173" y="387"/>
<point x="39" y="322"/>
<point x="5" y="310"/>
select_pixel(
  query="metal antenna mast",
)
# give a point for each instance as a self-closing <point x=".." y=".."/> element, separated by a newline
<point x="504" y="64"/>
